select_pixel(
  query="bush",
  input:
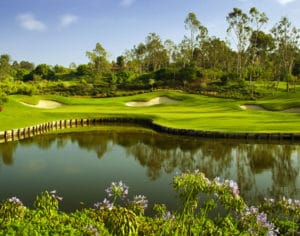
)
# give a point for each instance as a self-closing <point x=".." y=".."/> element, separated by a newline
<point x="27" y="89"/>
<point x="3" y="98"/>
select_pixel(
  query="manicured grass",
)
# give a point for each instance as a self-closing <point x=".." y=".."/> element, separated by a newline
<point x="192" y="112"/>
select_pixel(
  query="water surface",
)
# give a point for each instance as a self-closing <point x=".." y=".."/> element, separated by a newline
<point x="80" y="165"/>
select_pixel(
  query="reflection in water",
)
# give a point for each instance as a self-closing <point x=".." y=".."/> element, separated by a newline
<point x="7" y="152"/>
<point x="261" y="169"/>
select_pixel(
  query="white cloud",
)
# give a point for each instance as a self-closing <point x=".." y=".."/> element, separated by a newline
<point x="127" y="3"/>
<point x="29" y="22"/>
<point x="68" y="19"/>
<point x="284" y="2"/>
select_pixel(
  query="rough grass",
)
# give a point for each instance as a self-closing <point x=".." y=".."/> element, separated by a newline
<point x="192" y="112"/>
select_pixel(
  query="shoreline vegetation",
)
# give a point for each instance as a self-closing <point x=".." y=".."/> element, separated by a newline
<point x="208" y="207"/>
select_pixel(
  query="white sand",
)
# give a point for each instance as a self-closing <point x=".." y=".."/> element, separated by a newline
<point x="260" y="108"/>
<point x="152" y="102"/>
<point x="44" y="104"/>
<point x="295" y="110"/>
<point x="253" y="107"/>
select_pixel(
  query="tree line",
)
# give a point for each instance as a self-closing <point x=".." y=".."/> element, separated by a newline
<point x="199" y="63"/>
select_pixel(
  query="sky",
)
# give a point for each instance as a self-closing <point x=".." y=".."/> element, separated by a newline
<point x="61" y="31"/>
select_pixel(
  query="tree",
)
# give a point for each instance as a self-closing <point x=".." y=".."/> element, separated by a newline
<point x="43" y="71"/>
<point x="286" y="41"/>
<point x="98" y="60"/>
<point x="22" y="69"/>
<point x="197" y="31"/>
<point x="156" y="54"/>
<point x="217" y="55"/>
<point x="171" y="49"/>
<point x="72" y="66"/>
<point x="121" y="61"/>
<point x="26" y="65"/>
<point x="258" y="20"/>
<point x="5" y="67"/>
<point x="84" y="70"/>
<point x="60" y="69"/>
<point x="296" y="69"/>
<point x="182" y="56"/>
<point x="136" y="58"/>
<point x="263" y="60"/>
<point x="239" y="25"/>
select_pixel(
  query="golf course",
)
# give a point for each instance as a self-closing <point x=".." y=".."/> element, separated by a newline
<point x="193" y="106"/>
<point x="176" y="110"/>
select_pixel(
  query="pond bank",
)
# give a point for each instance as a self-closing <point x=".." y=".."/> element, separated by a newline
<point x="21" y="133"/>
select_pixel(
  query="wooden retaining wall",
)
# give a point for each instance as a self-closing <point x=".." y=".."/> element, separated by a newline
<point x="21" y="133"/>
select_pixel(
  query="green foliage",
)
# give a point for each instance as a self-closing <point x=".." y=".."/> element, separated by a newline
<point x="124" y="77"/>
<point x="121" y="61"/>
<point x="27" y="89"/>
<point x="98" y="61"/>
<point x="168" y="77"/>
<point x="199" y="63"/>
<point x="120" y="221"/>
<point x="3" y="98"/>
<point x="221" y="212"/>
<point x="44" y="71"/>
<point x="190" y="73"/>
<point x="47" y="202"/>
<point x="284" y="212"/>
<point x="5" y="68"/>
<point x="84" y="70"/>
<point x="7" y="87"/>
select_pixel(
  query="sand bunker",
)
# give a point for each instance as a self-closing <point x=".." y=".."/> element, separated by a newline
<point x="260" y="108"/>
<point x="295" y="110"/>
<point x="253" y="107"/>
<point x="152" y="102"/>
<point x="44" y="104"/>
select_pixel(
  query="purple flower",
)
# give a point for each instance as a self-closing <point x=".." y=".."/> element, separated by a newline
<point x="217" y="181"/>
<point x="140" y="201"/>
<point x="16" y="201"/>
<point x="105" y="204"/>
<point x="233" y="186"/>
<point x="59" y="198"/>
<point x="93" y="229"/>
<point x="117" y="190"/>
<point x="271" y="200"/>
<point x="250" y="211"/>
<point x="169" y="216"/>
<point x="53" y="192"/>
<point x="261" y="219"/>
<point x="208" y="182"/>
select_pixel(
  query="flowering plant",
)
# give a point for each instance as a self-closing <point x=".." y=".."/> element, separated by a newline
<point x="47" y="202"/>
<point x="117" y="195"/>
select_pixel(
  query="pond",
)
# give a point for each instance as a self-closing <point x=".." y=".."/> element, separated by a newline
<point x="81" y="163"/>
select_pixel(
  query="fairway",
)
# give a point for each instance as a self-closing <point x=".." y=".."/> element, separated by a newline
<point x="189" y="112"/>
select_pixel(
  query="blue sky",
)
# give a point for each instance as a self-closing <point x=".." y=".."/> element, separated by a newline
<point x="61" y="31"/>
